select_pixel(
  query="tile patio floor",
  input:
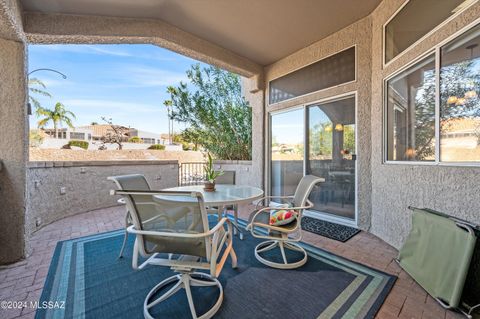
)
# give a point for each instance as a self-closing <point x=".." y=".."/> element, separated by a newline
<point x="24" y="281"/>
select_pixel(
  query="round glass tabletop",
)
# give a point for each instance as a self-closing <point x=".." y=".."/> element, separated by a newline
<point x="223" y="194"/>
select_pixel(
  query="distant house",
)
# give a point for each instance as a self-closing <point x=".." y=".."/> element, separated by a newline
<point x="148" y="137"/>
<point x="94" y="133"/>
<point x="77" y="133"/>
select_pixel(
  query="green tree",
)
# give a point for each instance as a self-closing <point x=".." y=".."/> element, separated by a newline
<point x="455" y="80"/>
<point x="57" y="115"/>
<point x="218" y="116"/>
<point x="36" y="87"/>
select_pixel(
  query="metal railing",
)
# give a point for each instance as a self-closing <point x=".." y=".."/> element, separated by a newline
<point x="191" y="173"/>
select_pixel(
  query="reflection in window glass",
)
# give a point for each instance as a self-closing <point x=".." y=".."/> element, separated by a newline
<point x="417" y="18"/>
<point x="331" y="155"/>
<point x="459" y="100"/>
<point x="287" y="149"/>
<point x="411" y="113"/>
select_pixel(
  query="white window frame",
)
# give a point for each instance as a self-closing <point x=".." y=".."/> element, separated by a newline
<point x="435" y="29"/>
<point x="435" y="49"/>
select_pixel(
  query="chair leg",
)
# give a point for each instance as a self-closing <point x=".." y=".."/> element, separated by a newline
<point x="282" y="244"/>
<point x="125" y="238"/>
<point x="127" y="215"/>
<point x="185" y="281"/>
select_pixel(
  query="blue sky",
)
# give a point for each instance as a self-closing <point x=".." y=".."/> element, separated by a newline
<point x="124" y="82"/>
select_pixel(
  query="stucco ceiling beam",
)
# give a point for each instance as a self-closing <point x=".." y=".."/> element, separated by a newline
<point x="60" y="28"/>
<point x="11" y="20"/>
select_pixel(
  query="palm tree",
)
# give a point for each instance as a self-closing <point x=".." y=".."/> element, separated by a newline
<point x="36" y="86"/>
<point x="58" y="115"/>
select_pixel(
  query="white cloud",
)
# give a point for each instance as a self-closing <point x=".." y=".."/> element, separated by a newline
<point x="97" y="104"/>
<point x="142" y="76"/>
<point x="102" y="49"/>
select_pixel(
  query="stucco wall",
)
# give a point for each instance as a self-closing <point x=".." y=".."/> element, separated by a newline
<point x="245" y="173"/>
<point x="358" y="34"/>
<point x="86" y="186"/>
<point x="13" y="149"/>
<point x="453" y="190"/>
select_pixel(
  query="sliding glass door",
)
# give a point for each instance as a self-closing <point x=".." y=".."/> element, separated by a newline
<point x="331" y="155"/>
<point x="317" y="139"/>
<point x="287" y="151"/>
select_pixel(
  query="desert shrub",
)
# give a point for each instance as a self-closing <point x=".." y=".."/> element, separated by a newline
<point x="81" y="144"/>
<point x="135" y="139"/>
<point x="36" y="139"/>
<point x="157" y="147"/>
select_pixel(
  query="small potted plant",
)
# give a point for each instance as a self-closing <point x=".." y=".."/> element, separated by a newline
<point x="210" y="175"/>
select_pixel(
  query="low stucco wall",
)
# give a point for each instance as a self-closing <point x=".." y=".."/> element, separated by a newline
<point x="244" y="172"/>
<point x="86" y="186"/>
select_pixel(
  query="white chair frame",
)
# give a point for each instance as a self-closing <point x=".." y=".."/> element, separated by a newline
<point x="282" y="242"/>
<point x="216" y="238"/>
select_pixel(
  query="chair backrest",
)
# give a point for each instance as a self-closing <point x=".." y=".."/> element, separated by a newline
<point x="304" y="189"/>
<point x="228" y="177"/>
<point x="176" y="212"/>
<point x="131" y="182"/>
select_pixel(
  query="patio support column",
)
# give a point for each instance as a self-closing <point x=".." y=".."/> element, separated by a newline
<point x="255" y="96"/>
<point x="13" y="135"/>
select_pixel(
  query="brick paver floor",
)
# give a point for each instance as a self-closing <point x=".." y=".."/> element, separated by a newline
<point x="24" y="281"/>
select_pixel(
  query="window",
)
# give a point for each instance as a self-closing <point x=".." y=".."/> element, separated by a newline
<point x="459" y="100"/>
<point x="414" y="129"/>
<point x="77" y="136"/>
<point x="416" y="19"/>
<point x="411" y="113"/>
<point x="334" y="70"/>
<point x="148" y="140"/>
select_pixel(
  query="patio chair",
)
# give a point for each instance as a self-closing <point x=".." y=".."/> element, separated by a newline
<point x="178" y="236"/>
<point x="278" y="236"/>
<point x="130" y="182"/>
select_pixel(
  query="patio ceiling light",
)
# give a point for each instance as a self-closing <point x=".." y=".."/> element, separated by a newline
<point x="452" y="100"/>
<point x="339" y="127"/>
<point x="460" y="101"/>
<point x="470" y="94"/>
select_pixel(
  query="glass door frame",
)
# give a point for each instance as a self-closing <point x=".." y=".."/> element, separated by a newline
<point x="268" y="161"/>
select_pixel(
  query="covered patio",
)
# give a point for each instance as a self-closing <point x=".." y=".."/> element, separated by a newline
<point x="363" y="96"/>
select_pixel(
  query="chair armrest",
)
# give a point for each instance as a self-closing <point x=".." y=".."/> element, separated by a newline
<point x="209" y="233"/>
<point x="154" y="192"/>
<point x="253" y="223"/>
<point x="270" y="197"/>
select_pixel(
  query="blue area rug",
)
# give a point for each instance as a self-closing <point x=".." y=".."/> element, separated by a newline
<point x="86" y="274"/>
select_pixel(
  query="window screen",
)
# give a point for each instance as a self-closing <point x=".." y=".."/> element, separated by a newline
<point x="414" y="20"/>
<point x="334" y="70"/>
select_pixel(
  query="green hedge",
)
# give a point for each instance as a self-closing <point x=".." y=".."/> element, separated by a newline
<point x="135" y="139"/>
<point x="82" y="144"/>
<point x="157" y="147"/>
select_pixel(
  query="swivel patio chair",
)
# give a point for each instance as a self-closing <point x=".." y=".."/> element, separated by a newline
<point x="278" y="236"/>
<point x="178" y="236"/>
<point x="130" y="182"/>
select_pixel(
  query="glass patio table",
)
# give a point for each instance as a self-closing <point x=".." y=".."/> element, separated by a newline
<point x="224" y="195"/>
